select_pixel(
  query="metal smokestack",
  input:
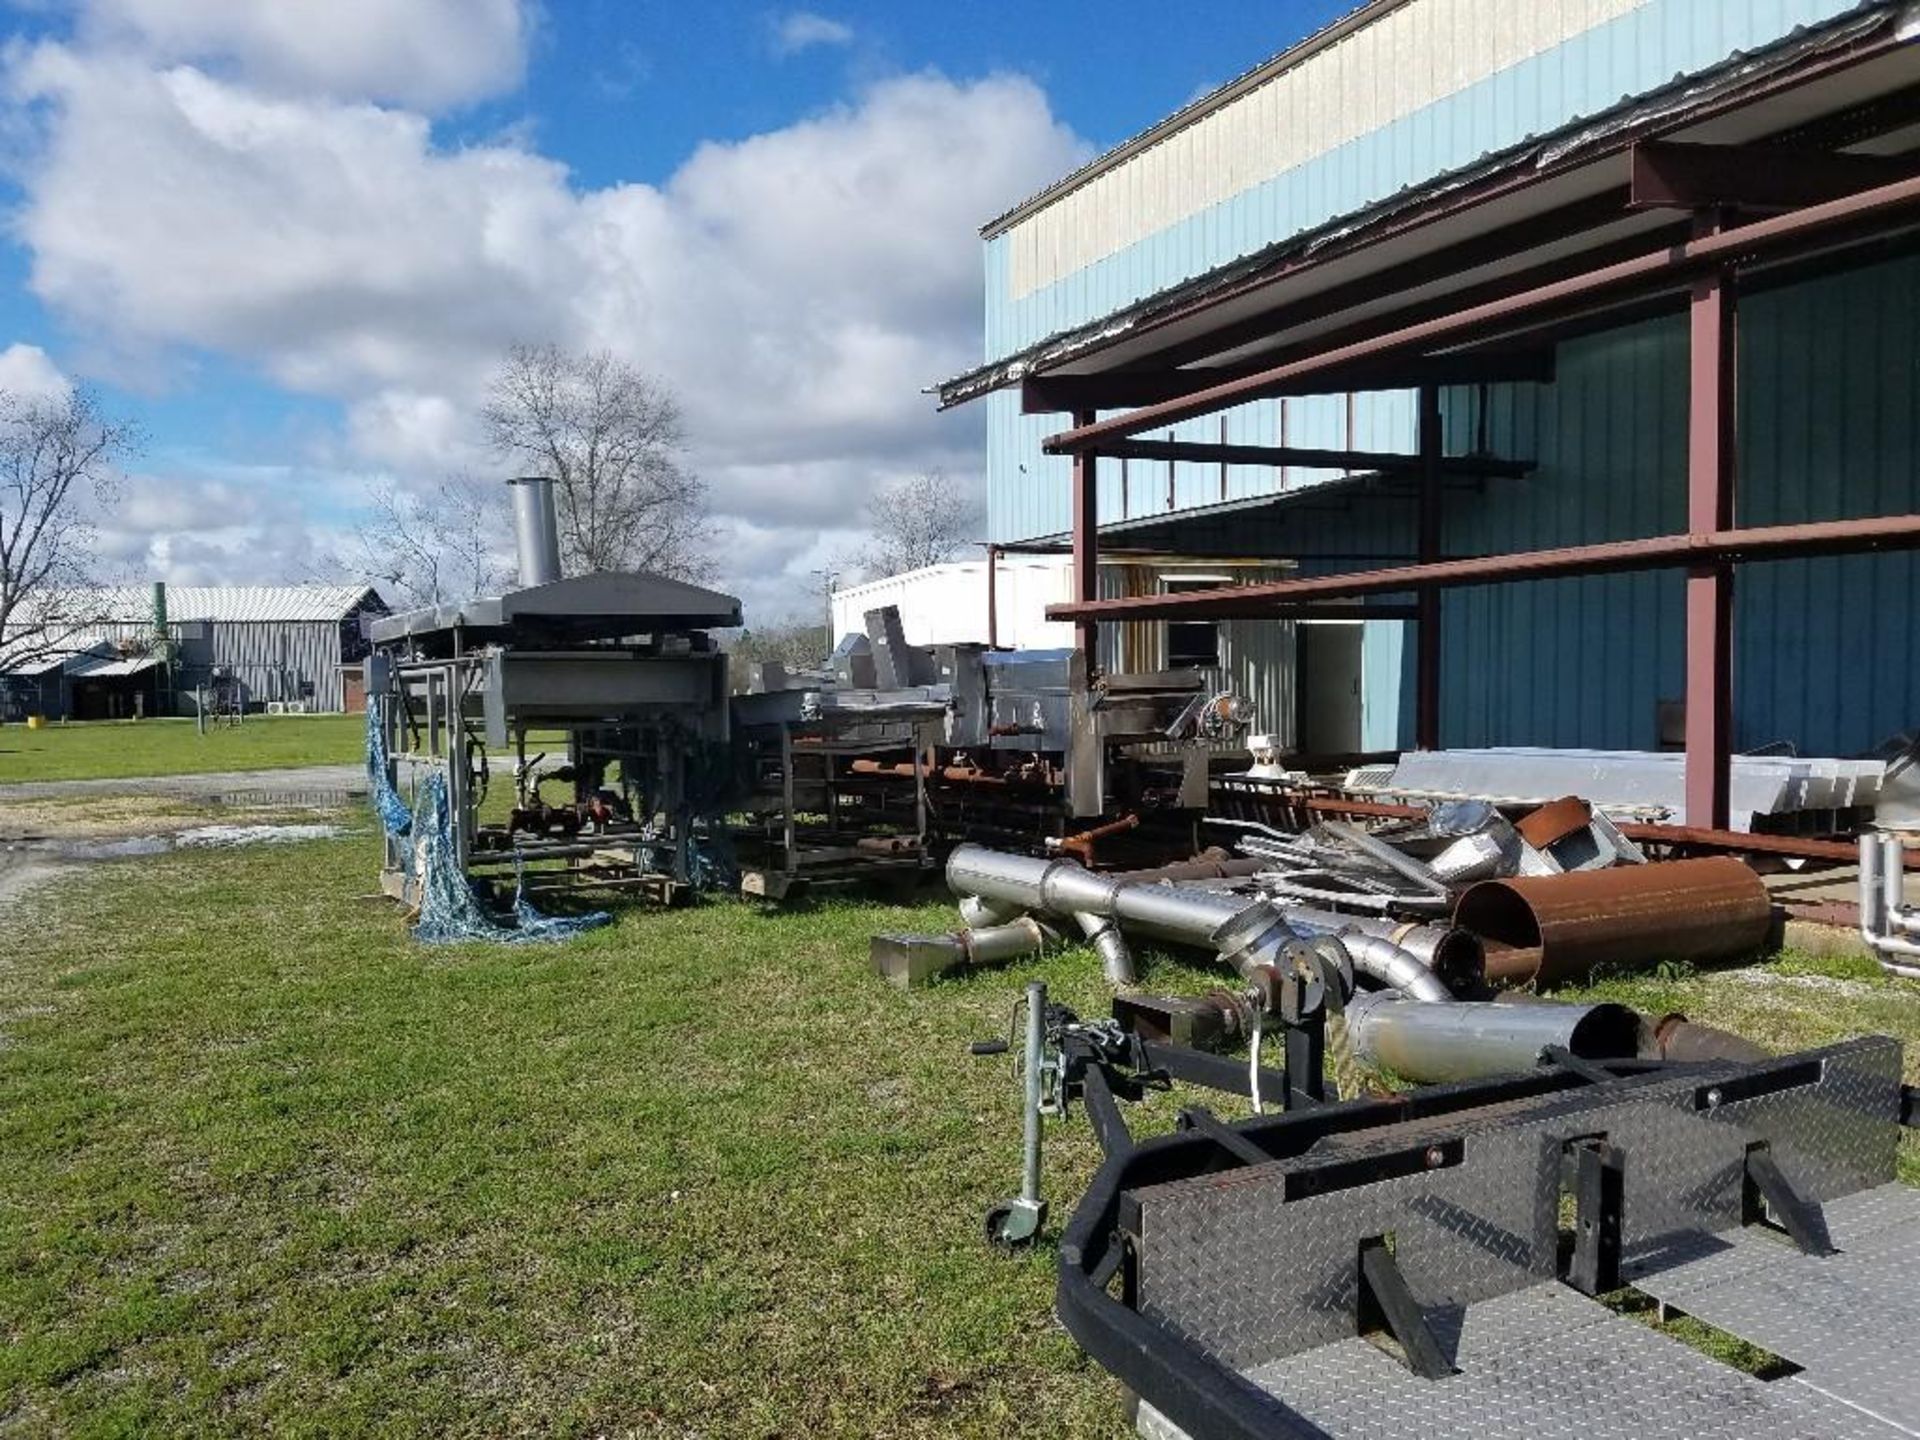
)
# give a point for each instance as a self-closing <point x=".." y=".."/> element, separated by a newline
<point x="536" y="530"/>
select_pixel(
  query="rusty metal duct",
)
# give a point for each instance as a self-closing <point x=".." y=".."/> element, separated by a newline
<point x="1554" y="929"/>
<point x="536" y="530"/>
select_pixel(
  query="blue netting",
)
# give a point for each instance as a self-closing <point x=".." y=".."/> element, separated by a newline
<point x="387" y="803"/>
<point x="449" y="910"/>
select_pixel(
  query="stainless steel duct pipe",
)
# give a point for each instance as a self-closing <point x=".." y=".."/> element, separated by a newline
<point x="1469" y="1041"/>
<point x="1116" y="960"/>
<point x="1886" y="921"/>
<point x="1455" y="955"/>
<point x="1247" y="934"/>
<point x="1395" y="968"/>
<point x="536" y="530"/>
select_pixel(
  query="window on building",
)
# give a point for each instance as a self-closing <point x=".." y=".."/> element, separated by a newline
<point x="1193" y="644"/>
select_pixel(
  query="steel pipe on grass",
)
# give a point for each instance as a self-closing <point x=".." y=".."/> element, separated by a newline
<point x="1559" y="928"/>
<point x="1475" y="1039"/>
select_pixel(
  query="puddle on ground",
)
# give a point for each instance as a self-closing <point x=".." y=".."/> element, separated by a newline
<point x="200" y="837"/>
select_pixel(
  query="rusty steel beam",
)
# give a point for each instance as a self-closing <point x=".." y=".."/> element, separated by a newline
<point x="1659" y="552"/>
<point x="1669" y="175"/>
<point x="1384" y="462"/>
<point x="1712" y="380"/>
<point x="1426" y="722"/>
<point x="1086" y="547"/>
<point x="1125" y="389"/>
<point x="1801" y="231"/>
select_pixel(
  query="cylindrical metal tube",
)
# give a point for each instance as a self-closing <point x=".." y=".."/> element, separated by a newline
<point x="1468" y="1041"/>
<point x="996" y="875"/>
<point x="979" y="913"/>
<point x="1177" y="912"/>
<point x="536" y="530"/>
<point x="999" y="943"/>
<point x="1116" y="960"/>
<point x="1894" y="914"/>
<point x="1872" y="889"/>
<point x="1674" y="1037"/>
<point x="1455" y="955"/>
<point x="1395" y="968"/>
<point x="1035" y="1058"/>
<point x="1712" y="909"/>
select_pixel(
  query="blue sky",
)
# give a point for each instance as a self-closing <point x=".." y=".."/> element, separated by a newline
<point x="293" y="240"/>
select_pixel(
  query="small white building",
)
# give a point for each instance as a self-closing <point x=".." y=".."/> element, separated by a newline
<point x="947" y="604"/>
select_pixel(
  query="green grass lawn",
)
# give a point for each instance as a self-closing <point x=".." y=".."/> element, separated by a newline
<point x="112" y="749"/>
<point x="270" y="1166"/>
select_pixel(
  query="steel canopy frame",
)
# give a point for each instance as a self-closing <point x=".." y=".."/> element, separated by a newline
<point x="1799" y="231"/>
<point x="1708" y="266"/>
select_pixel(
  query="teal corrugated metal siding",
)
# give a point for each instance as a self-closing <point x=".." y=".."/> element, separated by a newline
<point x="1825" y="649"/>
<point x="1635" y="53"/>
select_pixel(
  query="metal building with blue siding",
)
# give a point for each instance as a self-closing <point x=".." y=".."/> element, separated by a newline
<point x="1528" y="211"/>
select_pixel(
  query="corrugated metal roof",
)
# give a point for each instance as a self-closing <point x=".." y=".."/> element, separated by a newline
<point x="230" y="604"/>
<point x="114" y="668"/>
<point x="69" y="652"/>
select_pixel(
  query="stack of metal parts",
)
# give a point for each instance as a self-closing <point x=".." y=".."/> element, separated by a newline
<point x="1775" y="794"/>
<point x="891" y="747"/>
<point x="620" y="665"/>
<point x="834" y="764"/>
<point x="1430" y="1265"/>
<point x="1547" y="899"/>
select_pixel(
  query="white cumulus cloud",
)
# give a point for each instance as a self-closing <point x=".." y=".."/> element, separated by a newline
<point x="799" y="30"/>
<point x="795" y="289"/>
<point x="27" y="370"/>
<point x="426" y="53"/>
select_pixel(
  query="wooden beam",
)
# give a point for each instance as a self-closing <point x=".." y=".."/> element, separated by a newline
<point x="1671" y="175"/>
<point x="1204" y="452"/>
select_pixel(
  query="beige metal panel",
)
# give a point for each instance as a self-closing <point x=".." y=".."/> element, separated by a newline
<point x="1381" y="73"/>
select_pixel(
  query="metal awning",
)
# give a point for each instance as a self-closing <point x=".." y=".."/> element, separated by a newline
<point x="115" y="667"/>
<point x="586" y="607"/>
<point x="74" y="653"/>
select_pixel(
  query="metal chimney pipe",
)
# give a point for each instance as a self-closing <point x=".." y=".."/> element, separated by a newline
<point x="536" y="530"/>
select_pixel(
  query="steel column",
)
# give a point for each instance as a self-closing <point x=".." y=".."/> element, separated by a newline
<point x="1711" y="415"/>
<point x="1427" y="664"/>
<point x="993" y="597"/>
<point x="1086" y="545"/>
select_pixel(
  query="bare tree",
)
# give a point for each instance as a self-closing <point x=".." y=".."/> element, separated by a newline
<point x="916" y="521"/>
<point x="445" y="544"/>
<point x="795" y="643"/>
<point x="55" y="452"/>
<point x="610" y="437"/>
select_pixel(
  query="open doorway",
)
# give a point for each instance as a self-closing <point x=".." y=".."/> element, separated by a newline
<point x="1328" y="667"/>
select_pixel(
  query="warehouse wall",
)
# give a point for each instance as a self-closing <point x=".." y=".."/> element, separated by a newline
<point x="1825" y="649"/>
<point x="1488" y="74"/>
<point x="1326" y="138"/>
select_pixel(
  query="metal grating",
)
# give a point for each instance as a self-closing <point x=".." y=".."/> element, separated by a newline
<point x="1545" y="1362"/>
<point x="1236" y="1267"/>
<point x="1847" y="1318"/>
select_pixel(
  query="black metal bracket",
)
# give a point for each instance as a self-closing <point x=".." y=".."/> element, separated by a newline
<point x="1599" y="1191"/>
<point x="1386" y="1303"/>
<point x="1585" y="1069"/>
<point x="1766" y="1188"/>
<point x="1203" y="1121"/>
